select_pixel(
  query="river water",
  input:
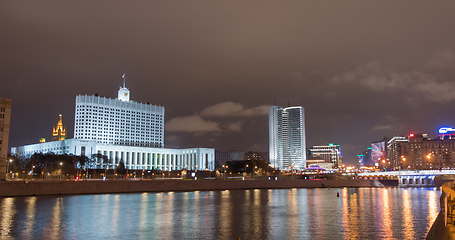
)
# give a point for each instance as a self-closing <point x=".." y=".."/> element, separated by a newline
<point x="362" y="213"/>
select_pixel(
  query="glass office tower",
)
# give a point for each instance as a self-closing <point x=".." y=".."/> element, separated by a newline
<point x="287" y="137"/>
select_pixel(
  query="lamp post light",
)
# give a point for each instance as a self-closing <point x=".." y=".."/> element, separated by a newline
<point x="61" y="170"/>
<point x="403" y="161"/>
<point x="7" y="166"/>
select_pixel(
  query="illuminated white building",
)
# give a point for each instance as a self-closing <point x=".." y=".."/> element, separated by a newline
<point x="122" y="130"/>
<point x="133" y="157"/>
<point x="330" y="153"/>
<point x="287" y="137"/>
<point x="119" y="121"/>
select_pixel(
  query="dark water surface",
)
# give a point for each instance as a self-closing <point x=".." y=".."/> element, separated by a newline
<point x="364" y="213"/>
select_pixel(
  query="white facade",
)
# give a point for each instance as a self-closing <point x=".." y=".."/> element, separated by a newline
<point x="330" y="153"/>
<point x="134" y="157"/>
<point x="122" y="130"/>
<point x="119" y="121"/>
<point x="287" y="138"/>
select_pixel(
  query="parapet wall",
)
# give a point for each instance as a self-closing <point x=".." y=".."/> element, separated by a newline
<point x="35" y="188"/>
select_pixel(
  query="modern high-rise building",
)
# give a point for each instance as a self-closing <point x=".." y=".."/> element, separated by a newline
<point x="287" y="137"/>
<point x="119" y="121"/>
<point x="330" y="153"/>
<point x="394" y="151"/>
<point x="5" y="119"/>
<point x="123" y="131"/>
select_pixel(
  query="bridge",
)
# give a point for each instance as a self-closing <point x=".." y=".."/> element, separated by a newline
<point x="418" y="178"/>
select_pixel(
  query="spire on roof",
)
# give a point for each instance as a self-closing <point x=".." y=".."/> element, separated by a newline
<point x="124" y="80"/>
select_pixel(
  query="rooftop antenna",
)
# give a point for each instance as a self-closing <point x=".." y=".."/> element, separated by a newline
<point x="124" y="80"/>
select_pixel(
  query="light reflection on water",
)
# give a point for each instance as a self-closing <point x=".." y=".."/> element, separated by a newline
<point x="365" y="213"/>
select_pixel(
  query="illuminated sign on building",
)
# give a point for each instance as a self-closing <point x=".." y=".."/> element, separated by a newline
<point x="377" y="151"/>
<point x="447" y="130"/>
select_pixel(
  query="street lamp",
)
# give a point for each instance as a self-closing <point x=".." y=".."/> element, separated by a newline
<point x="7" y="165"/>
<point x="61" y="164"/>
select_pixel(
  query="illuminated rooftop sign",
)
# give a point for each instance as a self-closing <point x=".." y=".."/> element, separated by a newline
<point x="447" y="130"/>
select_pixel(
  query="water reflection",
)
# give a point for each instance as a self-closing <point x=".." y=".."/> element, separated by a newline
<point x="225" y="210"/>
<point x="386" y="214"/>
<point x="143" y="213"/>
<point x="54" y="229"/>
<point x="408" y="214"/>
<point x="366" y="213"/>
<point x="7" y="216"/>
<point x="30" y="215"/>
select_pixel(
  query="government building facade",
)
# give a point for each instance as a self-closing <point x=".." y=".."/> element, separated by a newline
<point x="122" y="130"/>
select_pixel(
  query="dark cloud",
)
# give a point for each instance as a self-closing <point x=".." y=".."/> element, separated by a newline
<point x="232" y="109"/>
<point x="225" y="116"/>
<point x="422" y="82"/>
<point x="193" y="123"/>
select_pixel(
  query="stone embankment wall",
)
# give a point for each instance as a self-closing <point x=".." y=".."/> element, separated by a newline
<point x="35" y="188"/>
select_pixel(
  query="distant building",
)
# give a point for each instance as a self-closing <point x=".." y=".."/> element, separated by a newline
<point x="360" y="159"/>
<point x="330" y="153"/>
<point x="121" y="130"/>
<point x="59" y="131"/>
<point x="223" y="157"/>
<point x="365" y="158"/>
<point x="257" y="156"/>
<point x="394" y="151"/>
<point x="5" y="120"/>
<point x="423" y="152"/>
<point x="319" y="164"/>
<point x="419" y="151"/>
<point x="378" y="152"/>
<point x="287" y="149"/>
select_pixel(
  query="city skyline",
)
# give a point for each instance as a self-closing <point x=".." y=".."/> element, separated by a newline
<point x="352" y="70"/>
<point x="204" y="119"/>
<point x="257" y="112"/>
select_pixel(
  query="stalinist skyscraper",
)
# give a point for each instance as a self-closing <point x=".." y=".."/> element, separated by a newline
<point x="287" y="137"/>
<point x="59" y="131"/>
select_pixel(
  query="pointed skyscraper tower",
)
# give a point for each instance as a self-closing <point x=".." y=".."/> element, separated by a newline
<point x="59" y="131"/>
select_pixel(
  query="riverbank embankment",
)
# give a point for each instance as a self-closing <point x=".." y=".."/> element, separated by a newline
<point x="37" y="188"/>
<point x="443" y="227"/>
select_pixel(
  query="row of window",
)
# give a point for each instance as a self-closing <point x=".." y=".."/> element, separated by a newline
<point x="84" y="108"/>
<point x="167" y="161"/>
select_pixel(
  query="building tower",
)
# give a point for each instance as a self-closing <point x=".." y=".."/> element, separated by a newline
<point x="5" y="119"/>
<point x="59" y="132"/>
<point x="123" y="92"/>
<point x="287" y="137"/>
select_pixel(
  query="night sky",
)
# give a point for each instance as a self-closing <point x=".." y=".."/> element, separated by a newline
<point x="362" y="69"/>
